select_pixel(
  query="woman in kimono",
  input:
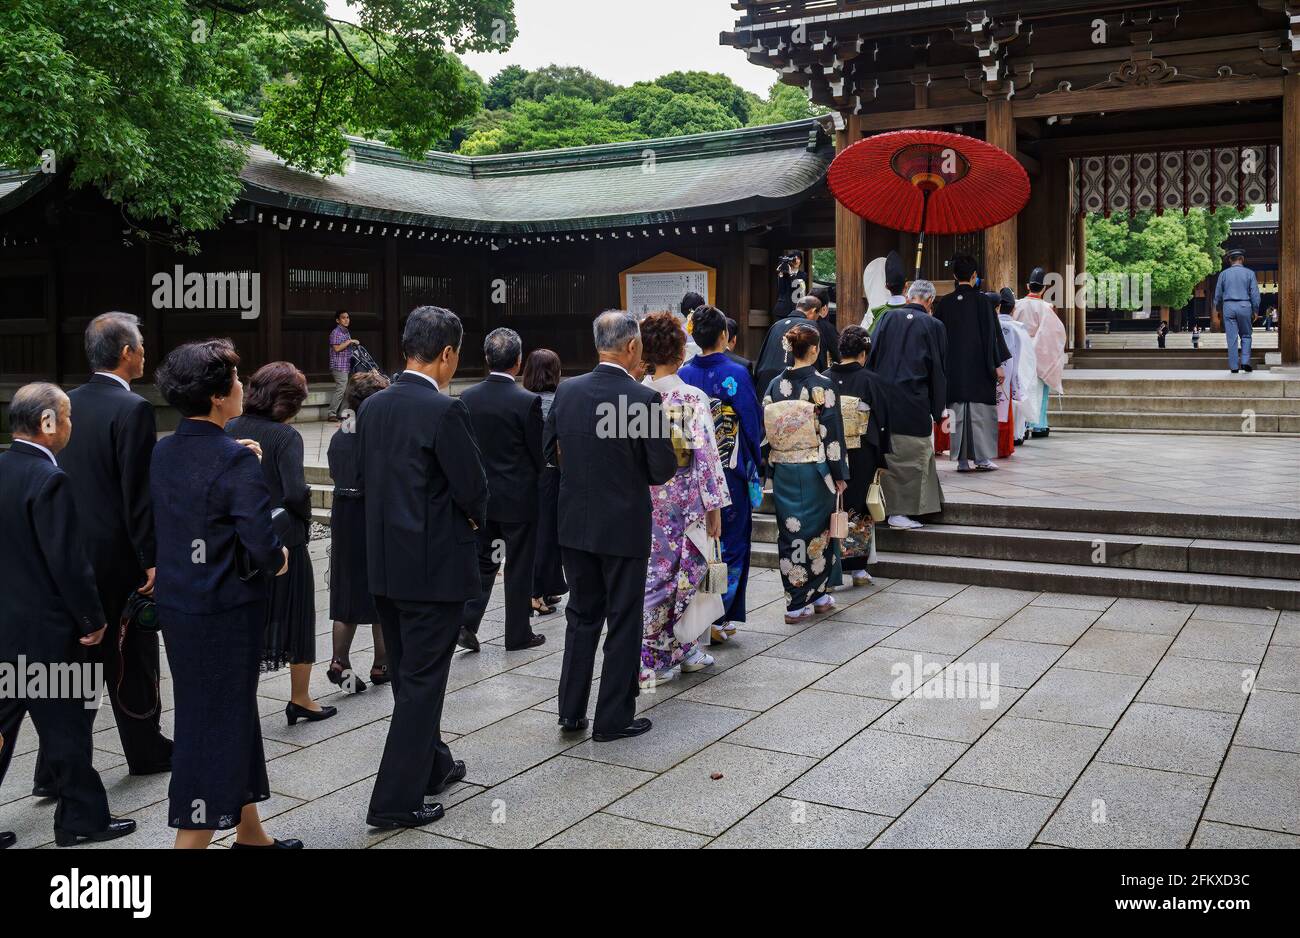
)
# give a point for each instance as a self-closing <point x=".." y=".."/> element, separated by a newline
<point x="738" y="428"/>
<point x="866" y="440"/>
<point x="808" y="466"/>
<point x="686" y="516"/>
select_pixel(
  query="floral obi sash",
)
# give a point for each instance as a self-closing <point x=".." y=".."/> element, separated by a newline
<point x="792" y="432"/>
<point x="855" y="415"/>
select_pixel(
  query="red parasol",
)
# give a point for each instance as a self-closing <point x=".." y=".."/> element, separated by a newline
<point x="929" y="182"/>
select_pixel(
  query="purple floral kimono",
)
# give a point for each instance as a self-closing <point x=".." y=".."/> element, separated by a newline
<point x="676" y="613"/>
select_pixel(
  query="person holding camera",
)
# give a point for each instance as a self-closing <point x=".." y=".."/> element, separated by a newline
<point x="791" y="284"/>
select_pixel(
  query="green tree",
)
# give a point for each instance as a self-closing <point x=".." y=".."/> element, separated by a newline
<point x="505" y="88"/>
<point x="784" y="103"/>
<point x="566" y="80"/>
<point x="557" y="121"/>
<point x="719" y="89"/>
<point x="689" y="114"/>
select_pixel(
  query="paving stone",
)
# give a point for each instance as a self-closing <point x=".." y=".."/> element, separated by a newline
<point x="1174" y="739"/>
<point x="744" y="646"/>
<point x="1200" y="684"/>
<point x="335" y="821"/>
<point x="1116" y="652"/>
<point x="988" y="602"/>
<point x="354" y="710"/>
<point x="1257" y="788"/>
<point x="877" y="772"/>
<point x="1097" y="604"/>
<point x="927" y="588"/>
<point x="831" y="641"/>
<point x="888" y="608"/>
<point x="1018" y="664"/>
<point x="604" y="831"/>
<point x="770" y="619"/>
<point x="950" y="706"/>
<point x="759" y="683"/>
<point x="689" y="798"/>
<point x="942" y="633"/>
<point x="1281" y="670"/>
<point x="883" y="673"/>
<point x="329" y="765"/>
<point x="1271" y="721"/>
<point x="681" y="729"/>
<point x="552" y="666"/>
<point x="417" y="838"/>
<point x="474" y="707"/>
<point x="536" y="805"/>
<point x="1126" y="806"/>
<point x="1222" y="641"/>
<point x="1212" y="835"/>
<point x="1050" y="624"/>
<point x="471" y="667"/>
<point x="513" y="745"/>
<point x="1033" y="756"/>
<point x="1287" y="631"/>
<point x="785" y="824"/>
<point x="1087" y="698"/>
<point x="952" y="814"/>
<point x="811" y="723"/>
<point x="1236" y="614"/>
<point x="1145" y="615"/>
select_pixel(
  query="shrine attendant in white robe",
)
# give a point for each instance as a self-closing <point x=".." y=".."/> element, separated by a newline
<point x="1048" y="333"/>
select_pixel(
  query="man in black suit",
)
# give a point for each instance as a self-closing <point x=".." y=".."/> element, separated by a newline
<point x="774" y="357"/>
<point x="107" y="463"/>
<point x="508" y="426"/>
<point x="50" y="615"/>
<point x="605" y="433"/>
<point x="426" y="495"/>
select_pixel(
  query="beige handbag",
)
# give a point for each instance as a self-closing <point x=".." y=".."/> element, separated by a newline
<point x="715" y="581"/>
<point x="876" y="499"/>
<point x="839" y="519"/>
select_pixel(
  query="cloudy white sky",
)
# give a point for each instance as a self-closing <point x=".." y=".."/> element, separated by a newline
<point x="622" y="41"/>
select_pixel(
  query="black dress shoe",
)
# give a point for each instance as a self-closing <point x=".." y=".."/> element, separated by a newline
<point x="390" y="822"/>
<point x="274" y="845"/>
<point x="159" y="769"/>
<point x="467" y="640"/>
<point x="44" y="791"/>
<point x="1247" y="368"/>
<point x="531" y="643"/>
<point x="573" y="726"/>
<point x="117" y="827"/>
<point x="457" y="774"/>
<point x="7" y="839"/>
<point x="635" y="728"/>
<point x="294" y="713"/>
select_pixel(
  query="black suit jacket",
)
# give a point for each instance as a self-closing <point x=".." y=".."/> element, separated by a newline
<point x="507" y="422"/>
<point x="426" y="492"/>
<point x="606" y="472"/>
<point x="107" y="462"/>
<point x="48" y="597"/>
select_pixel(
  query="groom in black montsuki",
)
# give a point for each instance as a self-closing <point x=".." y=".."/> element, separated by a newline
<point x="604" y="433"/>
<point x="426" y="495"/>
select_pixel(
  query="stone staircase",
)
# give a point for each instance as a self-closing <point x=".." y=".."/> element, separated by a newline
<point x="1199" y="402"/>
<point x="1224" y="559"/>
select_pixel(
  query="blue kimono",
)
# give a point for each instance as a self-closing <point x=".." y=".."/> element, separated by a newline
<point x="738" y="426"/>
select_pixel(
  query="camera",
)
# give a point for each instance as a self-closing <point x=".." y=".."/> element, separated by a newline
<point x="783" y="264"/>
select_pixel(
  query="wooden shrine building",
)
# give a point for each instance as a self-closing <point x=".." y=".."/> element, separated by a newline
<point x="1161" y="104"/>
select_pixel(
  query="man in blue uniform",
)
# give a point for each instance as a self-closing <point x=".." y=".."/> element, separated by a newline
<point x="1237" y="300"/>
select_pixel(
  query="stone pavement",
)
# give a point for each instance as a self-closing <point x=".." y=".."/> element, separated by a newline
<point x="1107" y="723"/>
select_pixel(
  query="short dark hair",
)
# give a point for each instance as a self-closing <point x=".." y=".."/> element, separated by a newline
<point x="707" y="325"/>
<point x="733" y="328"/>
<point x="361" y="385"/>
<point x="340" y="314"/>
<point x="541" y="371"/>
<point x="192" y="374"/>
<point x="691" y="302"/>
<point x="663" y="340"/>
<point x="429" y="330"/>
<point x="810" y="303"/>
<point x="502" y="349"/>
<point x="276" y="391"/>
<point x="964" y="266"/>
<point x="803" y="338"/>
<point x="854" y="340"/>
<point x="29" y="404"/>
<point x="107" y="335"/>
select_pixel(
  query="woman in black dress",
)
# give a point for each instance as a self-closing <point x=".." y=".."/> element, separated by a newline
<point x="275" y="395"/>
<point x="542" y="376"/>
<point x="217" y="554"/>
<point x="350" y="599"/>
<point x="859" y="387"/>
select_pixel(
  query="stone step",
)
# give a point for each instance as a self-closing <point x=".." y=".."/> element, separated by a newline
<point x="1186" y="404"/>
<point x="1171" y="586"/>
<point x="1074" y="419"/>
<point x="1255" y="385"/>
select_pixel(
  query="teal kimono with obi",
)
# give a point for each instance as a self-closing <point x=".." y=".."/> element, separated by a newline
<point x="805" y="455"/>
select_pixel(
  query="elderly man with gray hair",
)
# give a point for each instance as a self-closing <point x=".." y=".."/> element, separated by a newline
<point x="50" y="614"/>
<point x="908" y="353"/>
<point x="604" y="434"/>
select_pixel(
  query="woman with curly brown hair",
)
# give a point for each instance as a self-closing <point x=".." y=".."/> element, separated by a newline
<point x="275" y="395"/>
<point x="686" y="515"/>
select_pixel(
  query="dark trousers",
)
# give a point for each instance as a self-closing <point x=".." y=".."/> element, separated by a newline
<point x="131" y="676"/>
<point x="66" y="750"/>
<point x="420" y="638"/>
<point x="518" y="542"/>
<point x="602" y="588"/>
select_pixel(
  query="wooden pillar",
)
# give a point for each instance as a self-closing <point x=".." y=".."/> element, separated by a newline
<point x="1080" y="268"/>
<point x="1001" y="263"/>
<point x="850" y="244"/>
<point x="270" y="267"/>
<point x="1289" y="253"/>
<point x="392" y="312"/>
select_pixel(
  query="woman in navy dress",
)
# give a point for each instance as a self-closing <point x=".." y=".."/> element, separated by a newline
<point x="217" y="556"/>
<point x="542" y="377"/>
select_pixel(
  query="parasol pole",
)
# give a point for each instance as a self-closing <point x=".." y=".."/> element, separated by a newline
<point x="920" y="241"/>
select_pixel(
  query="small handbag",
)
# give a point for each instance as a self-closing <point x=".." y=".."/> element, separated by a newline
<point x="839" y="519"/>
<point x="876" y="499"/>
<point x="715" y="581"/>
